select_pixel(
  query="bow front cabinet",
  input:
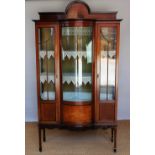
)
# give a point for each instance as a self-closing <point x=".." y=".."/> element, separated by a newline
<point x="77" y="54"/>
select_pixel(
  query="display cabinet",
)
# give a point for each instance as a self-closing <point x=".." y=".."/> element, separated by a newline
<point x="77" y="55"/>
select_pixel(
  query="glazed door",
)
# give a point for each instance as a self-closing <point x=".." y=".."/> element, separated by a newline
<point x="77" y="63"/>
<point x="77" y="71"/>
<point x="106" y="71"/>
<point x="48" y="70"/>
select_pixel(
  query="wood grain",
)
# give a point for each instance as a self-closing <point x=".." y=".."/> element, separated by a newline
<point x="77" y="114"/>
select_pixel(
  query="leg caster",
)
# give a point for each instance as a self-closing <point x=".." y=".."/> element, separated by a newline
<point x="40" y="143"/>
<point x="115" y="150"/>
<point x="112" y="135"/>
<point x="44" y="135"/>
<point x="115" y="139"/>
<point x="40" y="149"/>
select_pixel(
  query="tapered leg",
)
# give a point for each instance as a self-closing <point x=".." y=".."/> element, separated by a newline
<point x="40" y="143"/>
<point x="44" y="135"/>
<point x="115" y="139"/>
<point x="112" y="135"/>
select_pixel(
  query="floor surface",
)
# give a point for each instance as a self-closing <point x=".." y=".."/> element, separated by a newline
<point x="89" y="142"/>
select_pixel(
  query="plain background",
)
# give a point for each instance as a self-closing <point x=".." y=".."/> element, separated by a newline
<point x="31" y="12"/>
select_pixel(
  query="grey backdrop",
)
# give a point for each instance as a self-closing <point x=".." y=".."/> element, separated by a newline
<point x="33" y="7"/>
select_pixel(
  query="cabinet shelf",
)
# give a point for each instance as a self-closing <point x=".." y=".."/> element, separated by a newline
<point x="75" y="54"/>
<point x="111" y="54"/>
<point x="49" y="54"/>
<point x="43" y="77"/>
<point x="68" y="77"/>
<point x="48" y="95"/>
<point x="71" y="77"/>
<point x="69" y="96"/>
<point x="77" y="96"/>
<point x="103" y="96"/>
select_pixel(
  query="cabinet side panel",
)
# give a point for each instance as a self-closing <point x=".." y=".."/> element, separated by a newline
<point x="117" y="69"/>
<point x="107" y="112"/>
<point x="37" y="71"/>
<point x="48" y="112"/>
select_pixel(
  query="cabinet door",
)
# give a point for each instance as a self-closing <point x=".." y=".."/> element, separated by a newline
<point x="47" y="71"/>
<point x="77" y="59"/>
<point x="106" y="70"/>
<point x="47" y="63"/>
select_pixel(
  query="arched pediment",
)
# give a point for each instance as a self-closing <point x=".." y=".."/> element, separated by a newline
<point x="77" y="9"/>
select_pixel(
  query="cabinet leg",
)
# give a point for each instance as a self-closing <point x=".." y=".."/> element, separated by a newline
<point x="112" y="135"/>
<point x="115" y="139"/>
<point x="44" y="135"/>
<point x="40" y="143"/>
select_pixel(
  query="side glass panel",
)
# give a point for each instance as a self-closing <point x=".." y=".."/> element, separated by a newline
<point x="77" y="63"/>
<point x="107" y="63"/>
<point x="46" y="60"/>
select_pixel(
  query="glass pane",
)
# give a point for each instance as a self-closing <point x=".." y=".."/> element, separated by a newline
<point x="46" y="52"/>
<point x="77" y="63"/>
<point x="108" y="62"/>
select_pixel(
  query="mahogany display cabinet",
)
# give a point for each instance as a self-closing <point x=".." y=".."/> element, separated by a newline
<point x="77" y="55"/>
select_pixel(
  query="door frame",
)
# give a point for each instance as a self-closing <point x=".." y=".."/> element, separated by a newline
<point x="49" y="103"/>
<point x="97" y="71"/>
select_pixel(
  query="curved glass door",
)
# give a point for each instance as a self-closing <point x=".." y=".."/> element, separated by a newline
<point x="77" y="64"/>
<point x="46" y="59"/>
